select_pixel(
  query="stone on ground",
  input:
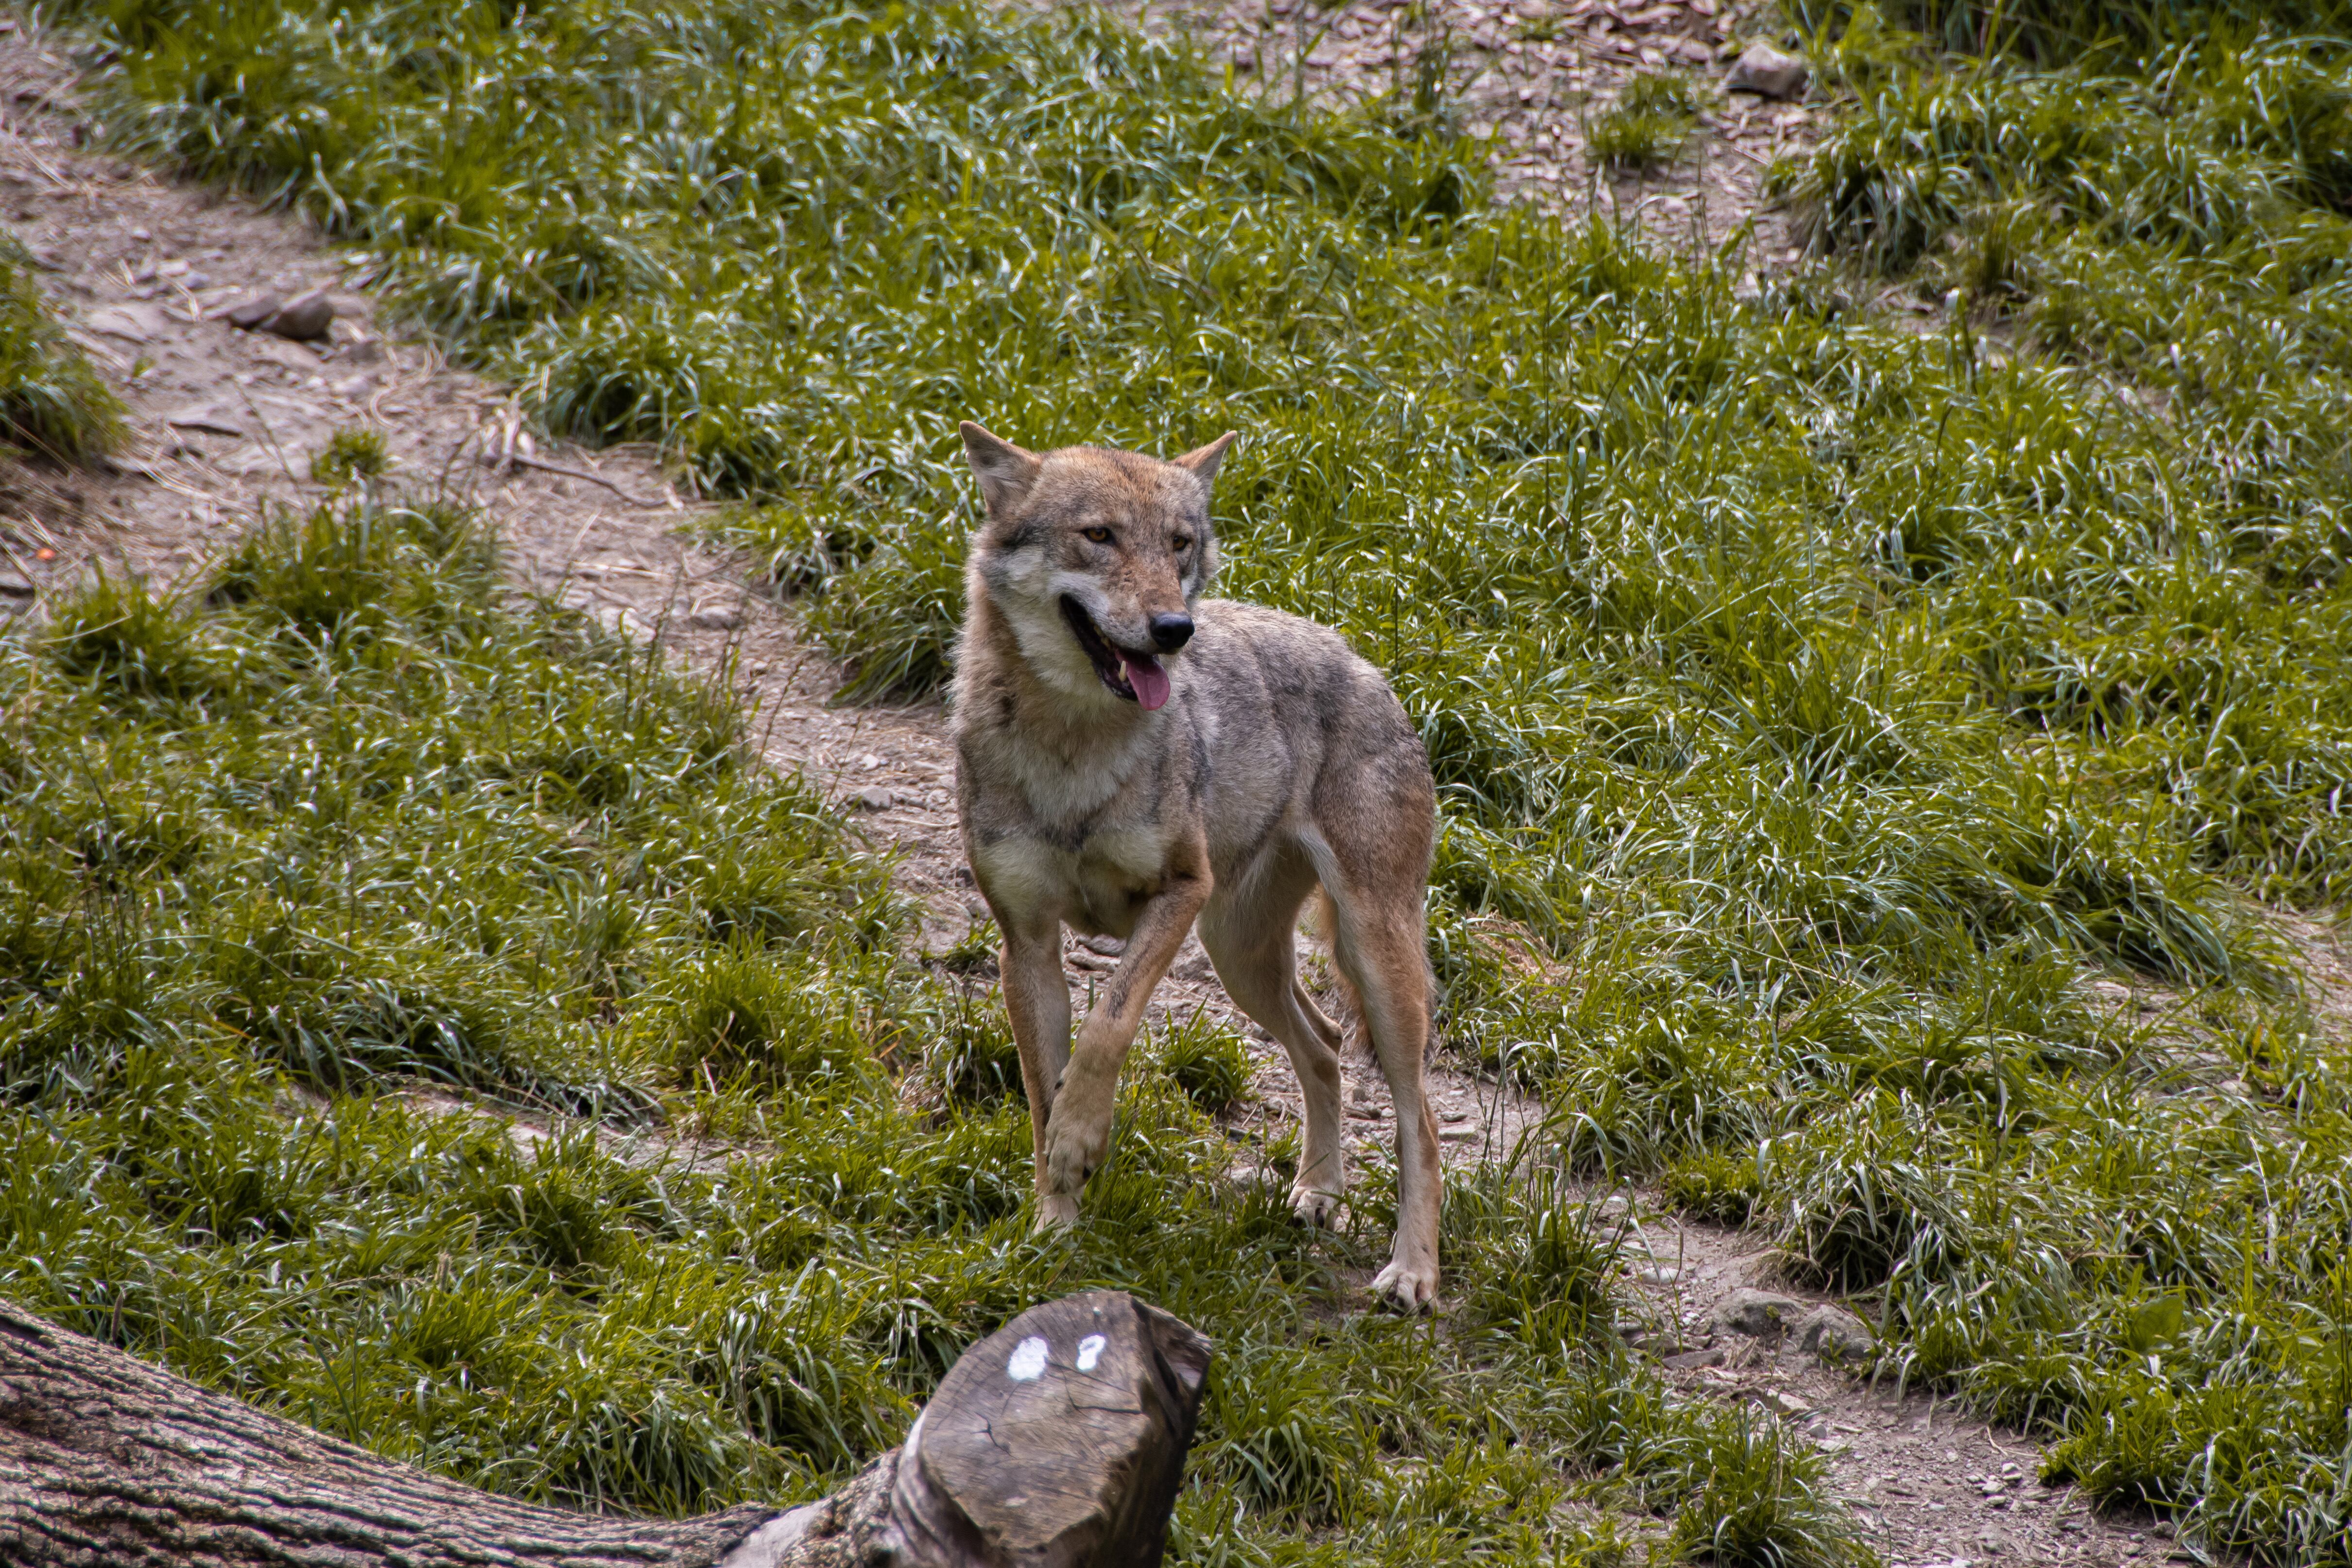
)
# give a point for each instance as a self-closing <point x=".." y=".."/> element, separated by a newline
<point x="1767" y="71"/>
<point x="1834" y="1334"/>
<point x="1756" y="1313"/>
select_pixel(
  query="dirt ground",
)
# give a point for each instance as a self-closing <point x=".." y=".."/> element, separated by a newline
<point x="225" y="423"/>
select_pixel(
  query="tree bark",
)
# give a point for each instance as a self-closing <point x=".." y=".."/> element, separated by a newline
<point x="1056" y="1442"/>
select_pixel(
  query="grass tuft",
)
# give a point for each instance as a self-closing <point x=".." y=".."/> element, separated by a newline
<point x="51" y="402"/>
<point x="1648" y="124"/>
<point x="1207" y="1062"/>
<point x="352" y="456"/>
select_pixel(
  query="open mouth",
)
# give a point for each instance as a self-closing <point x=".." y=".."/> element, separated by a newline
<point x="1139" y="677"/>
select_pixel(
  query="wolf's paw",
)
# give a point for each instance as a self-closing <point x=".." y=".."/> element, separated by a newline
<point x="1315" y="1206"/>
<point x="1408" y="1287"/>
<point x="1076" y="1143"/>
<point x="1055" y="1212"/>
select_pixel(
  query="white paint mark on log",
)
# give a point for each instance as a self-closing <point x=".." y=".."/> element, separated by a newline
<point x="1028" y="1362"/>
<point x="1090" y="1351"/>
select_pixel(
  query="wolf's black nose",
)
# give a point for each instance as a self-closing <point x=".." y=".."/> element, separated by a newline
<point x="1169" y="632"/>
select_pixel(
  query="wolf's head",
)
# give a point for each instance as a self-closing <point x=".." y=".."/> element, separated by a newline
<point x="1095" y="559"/>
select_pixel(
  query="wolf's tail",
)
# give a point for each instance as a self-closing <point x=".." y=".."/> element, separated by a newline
<point x="1322" y="923"/>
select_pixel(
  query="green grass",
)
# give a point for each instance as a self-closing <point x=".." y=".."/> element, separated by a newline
<point x="312" y="878"/>
<point x="352" y="456"/>
<point x="2055" y="31"/>
<point x="1651" y="119"/>
<point x="51" y="402"/>
<point x="1818" y="704"/>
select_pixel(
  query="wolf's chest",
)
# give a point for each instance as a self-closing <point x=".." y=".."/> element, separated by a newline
<point x="1067" y="793"/>
<point x="1097" y="883"/>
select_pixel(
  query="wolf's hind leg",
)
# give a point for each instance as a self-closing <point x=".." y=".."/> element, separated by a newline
<point x="1382" y="951"/>
<point x="1375" y="872"/>
<point x="1255" y="949"/>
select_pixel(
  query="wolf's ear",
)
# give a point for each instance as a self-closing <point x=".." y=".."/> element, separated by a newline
<point x="1005" y="471"/>
<point x="1204" y="460"/>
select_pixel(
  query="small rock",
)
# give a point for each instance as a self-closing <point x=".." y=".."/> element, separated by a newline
<point x="1664" y="1274"/>
<point x="1768" y="73"/>
<point x="1692" y="1360"/>
<point x="877" y="799"/>
<point x="1109" y="947"/>
<point x="131" y="323"/>
<point x="1457" y="1134"/>
<point x="252" y="310"/>
<point x="1453" y="1116"/>
<point x="304" y="320"/>
<point x="204" y="417"/>
<point x="1834" y="1334"/>
<point x="1780" y="1402"/>
<point x="15" y="584"/>
<point x="718" y="618"/>
<point x="1758" y="1314"/>
<point x="300" y="358"/>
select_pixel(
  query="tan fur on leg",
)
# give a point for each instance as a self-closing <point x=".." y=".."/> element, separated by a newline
<point x="1077" y="1135"/>
<point x="1039" y="1001"/>
<point x="1255" y="952"/>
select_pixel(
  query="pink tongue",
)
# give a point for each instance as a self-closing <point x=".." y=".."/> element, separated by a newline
<point x="1150" y="680"/>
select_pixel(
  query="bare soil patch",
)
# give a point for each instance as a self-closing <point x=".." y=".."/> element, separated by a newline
<point x="226" y="420"/>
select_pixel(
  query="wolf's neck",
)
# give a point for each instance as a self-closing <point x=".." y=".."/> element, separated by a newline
<point x="1068" y="754"/>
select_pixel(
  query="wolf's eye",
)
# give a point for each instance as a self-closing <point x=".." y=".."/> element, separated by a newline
<point x="1100" y="535"/>
<point x="1182" y="543"/>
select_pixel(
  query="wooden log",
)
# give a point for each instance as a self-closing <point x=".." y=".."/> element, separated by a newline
<point x="1056" y="1442"/>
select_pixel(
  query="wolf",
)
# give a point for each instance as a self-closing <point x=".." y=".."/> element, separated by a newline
<point x="1133" y="760"/>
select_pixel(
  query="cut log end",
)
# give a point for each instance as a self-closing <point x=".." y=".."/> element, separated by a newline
<point x="1058" y="1440"/>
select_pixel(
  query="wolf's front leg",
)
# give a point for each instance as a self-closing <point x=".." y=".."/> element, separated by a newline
<point x="1038" y="999"/>
<point x="1077" y="1135"/>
